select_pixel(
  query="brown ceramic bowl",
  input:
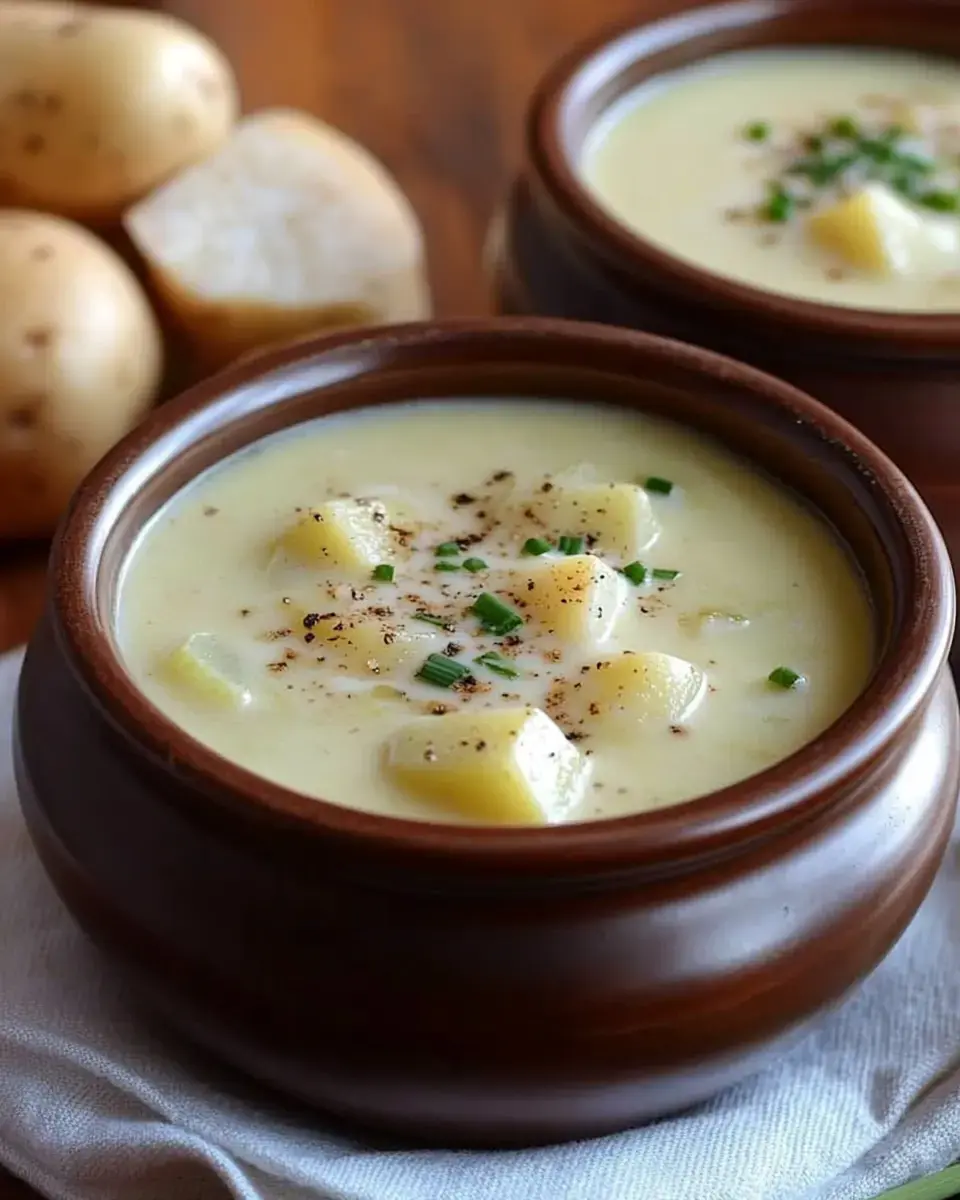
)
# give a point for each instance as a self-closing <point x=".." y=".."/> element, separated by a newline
<point x="560" y="254"/>
<point x="475" y="984"/>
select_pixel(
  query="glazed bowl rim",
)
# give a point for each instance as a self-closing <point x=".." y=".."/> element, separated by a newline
<point x="905" y="673"/>
<point x="628" y="42"/>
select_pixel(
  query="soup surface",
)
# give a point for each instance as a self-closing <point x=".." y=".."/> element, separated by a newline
<point x="827" y="174"/>
<point x="484" y="611"/>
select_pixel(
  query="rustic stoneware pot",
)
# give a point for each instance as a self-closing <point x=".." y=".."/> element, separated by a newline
<point x="482" y="985"/>
<point x="558" y="253"/>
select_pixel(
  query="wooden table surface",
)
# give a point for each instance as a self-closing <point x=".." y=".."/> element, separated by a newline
<point x="435" y="88"/>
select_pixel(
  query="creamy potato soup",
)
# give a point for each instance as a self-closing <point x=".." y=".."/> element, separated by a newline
<point x="492" y="612"/>
<point x="830" y="175"/>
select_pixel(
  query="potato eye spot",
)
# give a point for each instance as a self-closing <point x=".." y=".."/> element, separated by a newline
<point x="24" y="416"/>
<point x="38" y="339"/>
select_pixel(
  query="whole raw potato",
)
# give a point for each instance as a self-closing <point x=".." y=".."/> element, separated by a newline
<point x="99" y="105"/>
<point x="80" y="362"/>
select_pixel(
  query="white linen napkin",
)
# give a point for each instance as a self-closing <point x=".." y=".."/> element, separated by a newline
<point x="98" y="1104"/>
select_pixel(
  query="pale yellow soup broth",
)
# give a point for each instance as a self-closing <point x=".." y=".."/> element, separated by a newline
<point x="250" y="614"/>
<point x="827" y="174"/>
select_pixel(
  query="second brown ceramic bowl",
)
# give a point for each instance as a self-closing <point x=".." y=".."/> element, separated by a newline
<point x="474" y="984"/>
<point x="560" y="254"/>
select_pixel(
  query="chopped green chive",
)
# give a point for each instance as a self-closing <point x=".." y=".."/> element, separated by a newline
<point x="474" y="565"/>
<point x="494" y="615"/>
<point x="447" y="550"/>
<point x="820" y="170"/>
<point x="914" y="162"/>
<point x="636" y="572"/>
<point x="570" y="545"/>
<point x="785" y="677"/>
<point x="878" y="150"/>
<point x="880" y="156"/>
<point x="844" y="127"/>
<point x="843" y="144"/>
<point x="664" y="573"/>
<point x="441" y="671"/>
<point x="446" y="566"/>
<point x="536" y="546"/>
<point x="383" y="573"/>
<point x="498" y="664"/>
<point x="654" y="483"/>
<point x="948" y="202"/>
<point x="907" y="183"/>
<point x="757" y="131"/>
<point x="779" y="208"/>
<point x="432" y="619"/>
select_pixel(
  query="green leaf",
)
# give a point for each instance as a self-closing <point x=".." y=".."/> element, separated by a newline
<point x="942" y="1186"/>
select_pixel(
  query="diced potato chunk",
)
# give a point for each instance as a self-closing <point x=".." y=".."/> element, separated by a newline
<point x="578" y="597"/>
<point x="509" y="766"/>
<point x="206" y="669"/>
<point x="617" y="516"/>
<point x="632" y="688"/>
<point x="875" y="230"/>
<point x="352" y="534"/>
<point x="365" y="644"/>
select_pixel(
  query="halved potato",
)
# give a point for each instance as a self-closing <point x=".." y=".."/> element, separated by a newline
<point x="341" y="533"/>
<point x="617" y="517"/>
<point x="578" y="597"/>
<point x="290" y="228"/>
<point x="207" y="669"/>
<point x="633" y="688"/>
<point x="509" y="766"/>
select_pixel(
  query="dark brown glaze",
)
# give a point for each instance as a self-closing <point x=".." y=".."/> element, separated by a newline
<point x="559" y="254"/>
<point x="481" y="985"/>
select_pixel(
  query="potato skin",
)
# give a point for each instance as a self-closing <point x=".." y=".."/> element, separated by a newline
<point x="80" y="362"/>
<point x="99" y="105"/>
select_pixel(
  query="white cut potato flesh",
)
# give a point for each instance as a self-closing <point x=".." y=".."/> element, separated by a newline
<point x="617" y="517"/>
<point x="207" y="669"/>
<point x="80" y="362"/>
<point x="578" y="598"/>
<point x="510" y="766"/>
<point x="365" y="645"/>
<point x="341" y="533"/>
<point x="290" y="228"/>
<point x="101" y="105"/>
<point x="875" y="230"/>
<point x="634" y="687"/>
